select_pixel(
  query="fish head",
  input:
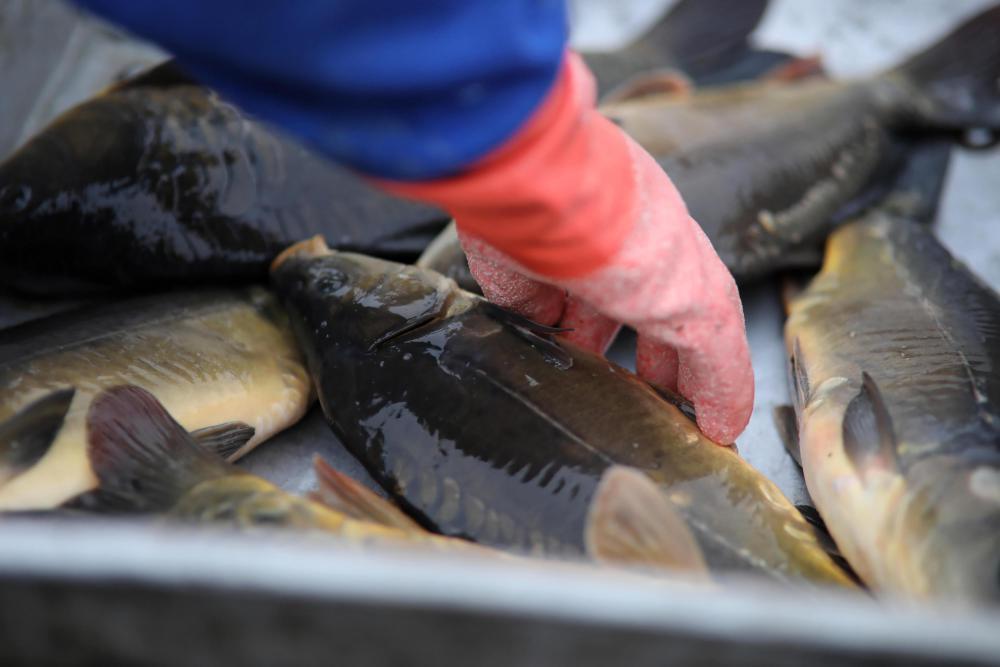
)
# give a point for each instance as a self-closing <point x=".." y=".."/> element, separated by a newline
<point x="350" y="300"/>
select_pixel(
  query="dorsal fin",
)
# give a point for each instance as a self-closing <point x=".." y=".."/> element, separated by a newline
<point x="344" y="494"/>
<point x="869" y="441"/>
<point x="141" y="456"/>
<point x="27" y="435"/>
<point x="632" y="522"/>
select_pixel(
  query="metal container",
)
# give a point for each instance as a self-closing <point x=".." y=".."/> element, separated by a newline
<point x="91" y="592"/>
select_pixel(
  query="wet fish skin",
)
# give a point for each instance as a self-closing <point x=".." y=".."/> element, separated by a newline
<point x="484" y="427"/>
<point x="179" y="187"/>
<point x="895" y="370"/>
<point x="798" y="158"/>
<point x="211" y="356"/>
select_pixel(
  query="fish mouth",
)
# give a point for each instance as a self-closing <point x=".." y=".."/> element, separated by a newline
<point x="312" y="247"/>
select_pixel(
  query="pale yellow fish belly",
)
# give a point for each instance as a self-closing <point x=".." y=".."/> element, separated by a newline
<point x="232" y="364"/>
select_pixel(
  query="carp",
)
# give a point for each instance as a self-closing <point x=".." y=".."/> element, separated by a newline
<point x="485" y="426"/>
<point x="180" y="187"/>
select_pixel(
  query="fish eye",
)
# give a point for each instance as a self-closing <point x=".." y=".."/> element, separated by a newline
<point x="15" y="198"/>
<point x="330" y="280"/>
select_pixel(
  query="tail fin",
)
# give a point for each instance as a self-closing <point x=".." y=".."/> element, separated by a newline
<point x="698" y="37"/>
<point x="143" y="459"/>
<point x="957" y="78"/>
<point x="702" y="35"/>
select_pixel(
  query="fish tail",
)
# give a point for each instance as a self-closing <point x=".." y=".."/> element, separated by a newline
<point x="143" y="459"/>
<point x="956" y="80"/>
<point x="703" y="35"/>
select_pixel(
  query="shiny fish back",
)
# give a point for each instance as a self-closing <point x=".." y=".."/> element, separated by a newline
<point x="485" y="426"/>
<point x="179" y="187"/>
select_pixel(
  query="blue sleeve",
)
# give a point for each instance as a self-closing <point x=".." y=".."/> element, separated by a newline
<point x="402" y="89"/>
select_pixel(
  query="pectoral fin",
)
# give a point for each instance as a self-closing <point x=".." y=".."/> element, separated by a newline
<point x="869" y="440"/>
<point x="347" y="495"/>
<point x="539" y="335"/>
<point x="788" y="430"/>
<point x="224" y="439"/>
<point x="26" y="436"/>
<point x="632" y="522"/>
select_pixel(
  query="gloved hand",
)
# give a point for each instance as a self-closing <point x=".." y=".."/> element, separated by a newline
<point x="572" y="223"/>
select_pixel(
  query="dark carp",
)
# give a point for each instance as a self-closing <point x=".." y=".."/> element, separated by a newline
<point x="769" y="168"/>
<point x="486" y="427"/>
<point x="159" y="182"/>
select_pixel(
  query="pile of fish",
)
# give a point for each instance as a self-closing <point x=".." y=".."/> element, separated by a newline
<point x="488" y="434"/>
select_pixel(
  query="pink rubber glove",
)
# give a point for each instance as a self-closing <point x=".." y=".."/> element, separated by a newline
<point x="572" y="223"/>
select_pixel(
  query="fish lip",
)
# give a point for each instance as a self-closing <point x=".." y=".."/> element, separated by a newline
<point x="311" y="247"/>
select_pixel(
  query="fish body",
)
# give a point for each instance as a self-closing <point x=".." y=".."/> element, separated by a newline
<point x="768" y="168"/>
<point x="179" y="187"/>
<point x="895" y="368"/>
<point x="485" y="427"/>
<point x="210" y="356"/>
<point x="146" y="462"/>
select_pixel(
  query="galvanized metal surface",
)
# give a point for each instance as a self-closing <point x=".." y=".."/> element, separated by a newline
<point x="84" y="593"/>
<point x="166" y="596"/>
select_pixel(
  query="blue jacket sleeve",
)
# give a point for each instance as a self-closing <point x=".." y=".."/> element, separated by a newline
<point x="401" y="89"/>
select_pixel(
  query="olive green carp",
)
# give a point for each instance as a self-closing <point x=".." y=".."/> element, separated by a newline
<point x="224" y="362"/>
<point x="179" y="187"/>
<point x="768" y="168"/>
<point x="146" y="462"/>
<point x="485" y="427"/>
<point x="895" y="374"/>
